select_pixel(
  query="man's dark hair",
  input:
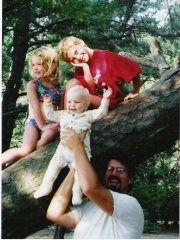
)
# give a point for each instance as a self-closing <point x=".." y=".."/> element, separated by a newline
<point x="128" y="161"/>
<point x="100" y="163"/>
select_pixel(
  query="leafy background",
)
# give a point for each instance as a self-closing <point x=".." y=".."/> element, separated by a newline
<point x="116" y="25"/>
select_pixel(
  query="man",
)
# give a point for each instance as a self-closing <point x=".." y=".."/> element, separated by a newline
<point x="109" y="213"/>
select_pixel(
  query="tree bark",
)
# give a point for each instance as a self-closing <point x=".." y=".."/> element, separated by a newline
<point x="157" y="54"/>
<point x="140" y="60"/>
<point x="139" y="128"/>
<point x="20" y="46"/>
<point x="19" y="109"/>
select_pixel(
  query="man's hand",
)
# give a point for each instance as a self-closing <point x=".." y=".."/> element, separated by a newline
<point x="71" y="139"/>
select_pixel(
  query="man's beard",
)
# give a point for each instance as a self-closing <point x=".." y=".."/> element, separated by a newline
<point x="113" y="187"/>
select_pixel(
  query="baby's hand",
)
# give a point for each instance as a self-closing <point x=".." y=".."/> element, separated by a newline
<point x="47" y="98"/>
<point x="107" y="92"/>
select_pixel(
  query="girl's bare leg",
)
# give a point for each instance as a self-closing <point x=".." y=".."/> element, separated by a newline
<point x="30" y="139"/>
<point x="47" y="136"/>
<point x="95" y="101"/>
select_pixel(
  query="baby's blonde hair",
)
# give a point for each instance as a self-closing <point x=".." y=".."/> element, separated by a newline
<point x="84" y="92"/>
<point x="50" y="62"/>
<point x="66" y="43"/>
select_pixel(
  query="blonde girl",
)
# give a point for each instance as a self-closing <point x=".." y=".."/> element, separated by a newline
<point x="44" y="68"/>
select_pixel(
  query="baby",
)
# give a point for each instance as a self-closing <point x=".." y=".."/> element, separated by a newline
<point x="77" y="117"/>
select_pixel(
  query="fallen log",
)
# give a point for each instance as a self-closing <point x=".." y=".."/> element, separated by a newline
<point x="141" y="127"/>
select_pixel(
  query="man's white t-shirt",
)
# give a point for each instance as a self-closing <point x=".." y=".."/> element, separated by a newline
<point x="127" y="220"/>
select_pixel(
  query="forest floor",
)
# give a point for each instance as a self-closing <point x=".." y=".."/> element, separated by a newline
<point x="48" y="233"/>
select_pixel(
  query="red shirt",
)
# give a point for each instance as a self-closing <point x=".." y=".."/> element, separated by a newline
<point x="110" y="69"/>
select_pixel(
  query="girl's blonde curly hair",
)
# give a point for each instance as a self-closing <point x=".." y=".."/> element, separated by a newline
<point x="50" y="63"/>
<point x="66" y="43"/>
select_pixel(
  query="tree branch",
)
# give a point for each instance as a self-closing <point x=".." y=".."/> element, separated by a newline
<point x="139" y="60"/>
<point x="157" y="54"/>
<point x="16" y="111"/>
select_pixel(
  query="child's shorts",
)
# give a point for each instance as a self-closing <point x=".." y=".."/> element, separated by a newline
<point x="33" y="122"/>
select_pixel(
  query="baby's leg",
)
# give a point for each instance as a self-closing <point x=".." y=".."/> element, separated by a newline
<point x="77" y="193"/>
<point x="55" y="166"/>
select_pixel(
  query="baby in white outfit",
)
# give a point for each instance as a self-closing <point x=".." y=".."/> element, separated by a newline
<point x="80" y="119"/>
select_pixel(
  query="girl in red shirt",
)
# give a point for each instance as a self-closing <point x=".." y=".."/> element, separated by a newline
<point x="95" y="69"/>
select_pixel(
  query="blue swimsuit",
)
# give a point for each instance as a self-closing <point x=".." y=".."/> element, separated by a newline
<point x="54" y="92"/>
<point x="41" y="92"/>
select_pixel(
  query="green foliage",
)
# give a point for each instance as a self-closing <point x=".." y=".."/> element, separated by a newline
<point x="18" y="130"/>
<point x="67" y="72"/>
<point x="156" y="187"/>
<point x="6" y="60"/>
<point x="115" y="25"/>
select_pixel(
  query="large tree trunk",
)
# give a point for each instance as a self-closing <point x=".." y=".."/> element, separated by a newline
<point x="143" y="126"/>
<point x="140" y="128"/>
<point x="20" y="47"/>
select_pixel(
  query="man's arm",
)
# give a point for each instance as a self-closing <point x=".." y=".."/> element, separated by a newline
<point x="58" y="211"/>
<point x="88" y="178"/>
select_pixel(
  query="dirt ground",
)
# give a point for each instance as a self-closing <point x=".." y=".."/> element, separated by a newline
<point x="48" y="233"/>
